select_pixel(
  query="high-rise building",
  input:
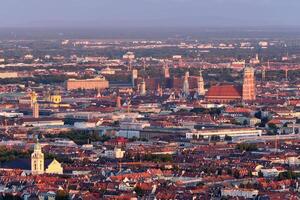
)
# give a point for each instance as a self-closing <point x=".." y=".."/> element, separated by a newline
<point x="37" y="160"/>
<point x="249" y="93"/>
<point x="200" y="88"/>
<point x="35" y="110"/>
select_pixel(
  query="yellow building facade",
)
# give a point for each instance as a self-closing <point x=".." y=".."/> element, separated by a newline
<point x="54" y="168"/>
<point x="55" y="99"/>
<point x="37" y="160"/>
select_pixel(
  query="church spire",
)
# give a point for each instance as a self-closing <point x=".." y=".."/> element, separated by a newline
<point x="37" y="160"/>
<point x="186" y="87"/>
<point x="200" y="85"/>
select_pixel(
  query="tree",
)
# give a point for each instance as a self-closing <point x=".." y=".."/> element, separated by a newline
<point x="260" y="174"/>
<point x="246" y="147"/>
<point x="250" y="173"/>
<point x="227" y="138"/>
<point x="229" y="171"/>
<point x="215" y="138"/>
<point x="236" y="174"/>
<point x="273" y="128"/>
<point x="10" y="197"/>
<point x="62" y="195"/>
<point x="199" y="184"/>
<point x="139" y="191"/>
<point x="287" y="175"/>
<point x="198" y="110"/>
<point x="258" y="115"/>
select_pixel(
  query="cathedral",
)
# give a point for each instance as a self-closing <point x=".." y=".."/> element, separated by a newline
<point x="229" y="93"/>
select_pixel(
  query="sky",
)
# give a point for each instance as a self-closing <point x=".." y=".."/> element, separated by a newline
<point x="148" y="13"/>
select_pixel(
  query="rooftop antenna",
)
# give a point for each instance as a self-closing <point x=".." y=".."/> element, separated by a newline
<point x="263" y="73"/>
<point x="276" y="143"/>
<point x="130" y="65"/>
<point x="144" y="64"/>
<point x="128" y="106"/>
<point x="120" y="166"/>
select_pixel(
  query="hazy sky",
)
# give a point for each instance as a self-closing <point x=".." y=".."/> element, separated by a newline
<point x="96" y="13"/>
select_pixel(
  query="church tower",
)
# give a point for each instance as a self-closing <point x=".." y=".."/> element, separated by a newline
<point x="186" y="87"/>
<point x="35" y="110"/>
<point x="134" y="76"/>
<point x="143" y="88"/>
<point x="33" y="98"/>
<point x="200" y="85"/>
<point x="37" y="160"/>
<point x="118" y="102"/>
<point x="166" y="71"/>
<point x="249" y="84"/>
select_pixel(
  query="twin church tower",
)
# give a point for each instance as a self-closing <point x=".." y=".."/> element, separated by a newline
<point x="249" y="91"/>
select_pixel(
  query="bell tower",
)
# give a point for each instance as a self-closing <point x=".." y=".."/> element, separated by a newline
<point x="200" y="85"/>
<point x="249" y="93"/>
<point x="37" y="160"/>
<point x="186" y="87"/>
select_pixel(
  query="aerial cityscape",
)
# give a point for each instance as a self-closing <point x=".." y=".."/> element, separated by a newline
<point x="167" y="110"/>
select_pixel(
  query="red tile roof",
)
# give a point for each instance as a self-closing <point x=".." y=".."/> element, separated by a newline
<point x="227" y="91"/>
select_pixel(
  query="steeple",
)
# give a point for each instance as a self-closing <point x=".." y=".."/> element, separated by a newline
<point x="186" y="87"/>
<point x="143" y="88"/>
<point x="200" y="85"/>
<point x="118" y="102"/>
<point x="159" y="90"/>
<point x="37" y="160"/>
<point x="33" y="98"/>
<point x="166" y="71"/>
<point x="134" y="76"/>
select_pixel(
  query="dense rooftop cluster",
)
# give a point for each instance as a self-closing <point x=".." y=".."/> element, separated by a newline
<point x="169" y="119"/>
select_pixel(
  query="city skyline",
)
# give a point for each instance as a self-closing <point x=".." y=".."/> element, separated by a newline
<point x="149" y="99"/>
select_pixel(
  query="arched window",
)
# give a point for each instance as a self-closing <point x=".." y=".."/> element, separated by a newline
<point x="34" y="165"/>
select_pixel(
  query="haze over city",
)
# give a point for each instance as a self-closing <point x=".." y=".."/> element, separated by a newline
<point x="145" y="13"/>
<point x="150" y="100"/>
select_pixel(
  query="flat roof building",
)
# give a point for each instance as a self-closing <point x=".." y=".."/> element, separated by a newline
<point x="88" y="84"/>
<point x="232" y="132"/>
